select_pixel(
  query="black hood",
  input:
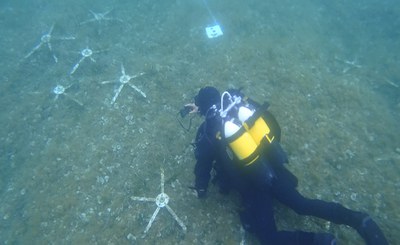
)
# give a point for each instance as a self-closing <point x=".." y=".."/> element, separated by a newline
<point x="207" y="97"/>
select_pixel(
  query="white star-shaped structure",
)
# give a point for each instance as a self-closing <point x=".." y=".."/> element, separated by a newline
<point x="100" y="17"/>
<point x="46" y="40"/>
<point x="85" y="53"/>
<point x="123" y="80"/>
<point x="161" y="201"/>
<point x="60" y="90"/>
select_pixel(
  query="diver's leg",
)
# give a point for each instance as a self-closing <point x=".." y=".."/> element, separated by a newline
<point x="258" y="218"/>
<point x="334" y="212"/>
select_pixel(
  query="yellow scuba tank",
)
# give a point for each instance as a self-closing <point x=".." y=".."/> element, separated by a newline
<point x="244" y="132"/>
<point x="240" y="142"/>
<point x="254" y="124"/>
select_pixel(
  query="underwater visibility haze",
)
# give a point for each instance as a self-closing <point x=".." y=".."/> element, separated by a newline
<point x="90" y="148"/>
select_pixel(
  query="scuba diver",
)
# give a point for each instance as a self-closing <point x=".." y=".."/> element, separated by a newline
<point x="240" y="140"/>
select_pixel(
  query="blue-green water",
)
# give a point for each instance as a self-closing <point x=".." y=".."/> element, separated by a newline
<point x="69" y="164"/>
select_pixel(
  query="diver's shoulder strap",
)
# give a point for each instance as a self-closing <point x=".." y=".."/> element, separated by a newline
<point x="273" y="124"/>
<point x="265" y="106"/>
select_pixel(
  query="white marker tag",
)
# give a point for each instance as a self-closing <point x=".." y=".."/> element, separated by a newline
<point x="214" y="31"/>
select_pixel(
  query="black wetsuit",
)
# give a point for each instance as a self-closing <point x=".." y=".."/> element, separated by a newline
<point x="260" y="183"/>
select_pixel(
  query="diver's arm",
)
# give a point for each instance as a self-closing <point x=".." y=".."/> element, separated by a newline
<point x="202" y="172"/>
<point x="205" y="156"/>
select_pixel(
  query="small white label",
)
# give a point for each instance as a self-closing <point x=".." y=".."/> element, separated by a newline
<point x="214" y="31"/>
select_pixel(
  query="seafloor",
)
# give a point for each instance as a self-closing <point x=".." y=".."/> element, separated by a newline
<point x="69" y="164"/>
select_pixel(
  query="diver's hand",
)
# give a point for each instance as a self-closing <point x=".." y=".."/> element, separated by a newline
<point x="193" y="108"/>
<point x="201" y="193"/>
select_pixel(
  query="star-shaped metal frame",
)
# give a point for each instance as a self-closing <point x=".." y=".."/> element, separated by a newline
<point x="60" y="90"/>
<point x="123" y="80"/>
<point x="162" y="202"/>
<point x="100" y="17"/>
<point x="46" y="40"/>
<point x="85" y="53"/>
